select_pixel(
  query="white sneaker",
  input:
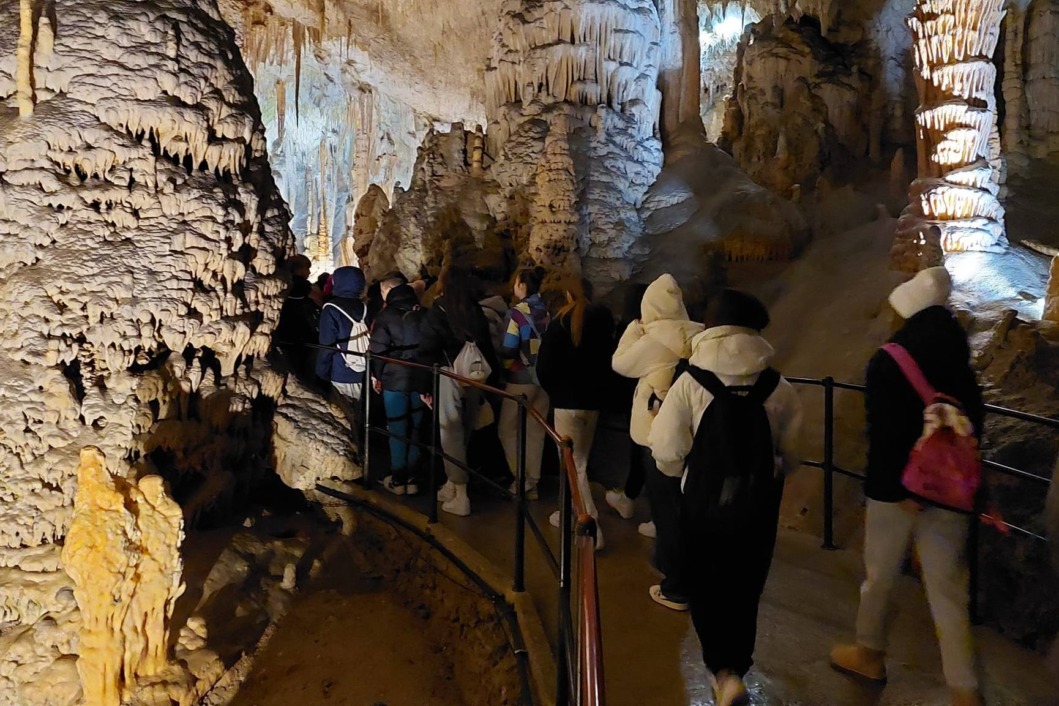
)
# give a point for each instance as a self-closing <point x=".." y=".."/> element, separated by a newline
<point x="459" y="505"/>
<point x="622" y="505"/>
<point x="393" y="486"/>
<point x="553" y="519"/>
<point x="647" y="529"/>
<point x="531" y="491"/>
<point x="411" y="488"/>
<point x="671" y="602"/>
<point x="447" y="492"/>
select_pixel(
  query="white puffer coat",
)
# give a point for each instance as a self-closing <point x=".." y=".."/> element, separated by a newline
<point x="650" y="349"/>
<point x="736" y="356"/>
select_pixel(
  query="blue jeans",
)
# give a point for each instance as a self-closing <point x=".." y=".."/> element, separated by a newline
<point x="404" y="416"/>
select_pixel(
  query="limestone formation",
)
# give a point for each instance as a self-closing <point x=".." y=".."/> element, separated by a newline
<point x="958" y="185"/>
<point x="140" y="231"/>
<point x="800" y="106"/>
<point x="1051" y="299"/>
<point x="122" y="552"/>
<point x="365" y="222"/>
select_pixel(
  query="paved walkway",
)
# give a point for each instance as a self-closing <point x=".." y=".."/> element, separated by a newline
<point x="652" y="654"/>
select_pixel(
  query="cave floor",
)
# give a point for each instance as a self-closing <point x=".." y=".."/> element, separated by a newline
<point x="652" y="654"/>
<point x="348" y="641"/>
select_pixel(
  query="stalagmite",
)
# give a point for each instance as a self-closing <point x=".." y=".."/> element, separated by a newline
<point x="25" y="59"/>
<point x="958" y="185"/>
<point x="123" y="553"/>
<point x="553" y="237"/>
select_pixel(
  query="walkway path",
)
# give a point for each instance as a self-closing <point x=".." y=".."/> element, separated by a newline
<point x="652" y="654"/>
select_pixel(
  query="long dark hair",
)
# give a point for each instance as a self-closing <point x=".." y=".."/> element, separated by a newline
<point x="459" y="289"/>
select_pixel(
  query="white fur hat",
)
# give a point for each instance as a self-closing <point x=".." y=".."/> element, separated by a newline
<point x="931" y="287"/>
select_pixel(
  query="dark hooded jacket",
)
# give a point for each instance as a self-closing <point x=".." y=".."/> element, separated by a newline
<point x="397" y="333"/>
<point x="938" y="344"/>
<point x="443" y="343"/>
<point x="347" y="289"/>
<point x="296" y="329"/>
<point x="578" y="377"/>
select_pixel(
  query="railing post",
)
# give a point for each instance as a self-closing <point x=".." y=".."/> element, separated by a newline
<point x="565" y="549"/>
<point x="829" y="463"/>
<point x="435" y="439"/>
<point x="520" y="499"/>
<point x="972" y="565"/>
<point x="366" y="391"/>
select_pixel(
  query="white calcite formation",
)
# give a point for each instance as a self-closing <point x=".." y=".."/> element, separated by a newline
<point x="957" y="138"/>
<point x="140" y="230"/>
<point x="594" y="66"/>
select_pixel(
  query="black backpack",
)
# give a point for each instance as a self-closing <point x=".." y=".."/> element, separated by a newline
<point x="731" y="478"/>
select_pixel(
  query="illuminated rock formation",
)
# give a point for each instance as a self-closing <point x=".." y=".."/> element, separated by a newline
<point x="958" y="148"/>
<point x="1051" y="299"/>
<point x="123" y="553"/>
<point x="140" y="230"/>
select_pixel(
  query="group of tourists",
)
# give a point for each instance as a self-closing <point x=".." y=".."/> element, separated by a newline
<point x="713" y="431"/>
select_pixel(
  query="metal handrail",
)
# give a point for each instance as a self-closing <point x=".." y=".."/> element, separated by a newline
<point x="579" y="676"/>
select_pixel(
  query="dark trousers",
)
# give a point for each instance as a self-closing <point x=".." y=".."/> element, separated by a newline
<point x="663" y="495"/>
<point x="725" y="579"/>
<point x="634" y="482"/>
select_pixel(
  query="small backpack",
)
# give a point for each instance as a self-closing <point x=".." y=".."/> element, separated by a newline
<point x="945" y="466"/>
<point x="730" y="476"/>
<point x="471" y="364"/>
<point x="359" y="338"/>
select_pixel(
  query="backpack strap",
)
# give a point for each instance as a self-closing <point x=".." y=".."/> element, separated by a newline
<point x="911" y="371"/>
<point x="365" y="332"/>
<point x="765" y="385"/>
<point x="708" y="380"/>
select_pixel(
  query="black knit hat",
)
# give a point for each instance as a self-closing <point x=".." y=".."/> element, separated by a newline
<point x="730" y="307"/>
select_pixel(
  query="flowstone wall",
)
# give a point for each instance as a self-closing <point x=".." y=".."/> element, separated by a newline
<point x="140" y="231"/>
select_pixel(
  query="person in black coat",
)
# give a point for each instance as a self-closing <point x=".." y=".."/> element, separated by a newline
<point x="396" y="334"/>
<point x="573" y="366"/>
<point x="894" y="520"/>
<point x="297" y="330"/>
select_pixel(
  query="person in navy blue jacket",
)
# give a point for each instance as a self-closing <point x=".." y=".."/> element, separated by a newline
<point x="342" y="321"/>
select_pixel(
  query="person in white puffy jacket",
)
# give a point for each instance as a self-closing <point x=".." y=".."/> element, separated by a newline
<point x="725" y="578"/>
<point x="649" y="351"/>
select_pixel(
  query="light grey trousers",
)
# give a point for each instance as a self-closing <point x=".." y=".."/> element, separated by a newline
<point x="940" y="539"/>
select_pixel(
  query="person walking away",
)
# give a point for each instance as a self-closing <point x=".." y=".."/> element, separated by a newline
<point x="343" y="326"/>
<point x="649" y="351"/>
<point x="296" y="330"/>
<point x="894" y="521"/>
<point x="455" y="320"/>
<point x="573" y="366"/>
<point x="622" y="391"/>
<point x="728" y="432"/>
<point x="523" y="325"/>
<point x="396" y="334"/>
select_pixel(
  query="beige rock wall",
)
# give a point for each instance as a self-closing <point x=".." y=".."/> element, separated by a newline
<point x="140" y="231"/>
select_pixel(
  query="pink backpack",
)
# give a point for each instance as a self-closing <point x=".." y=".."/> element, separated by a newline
<point x="945" y="466"/>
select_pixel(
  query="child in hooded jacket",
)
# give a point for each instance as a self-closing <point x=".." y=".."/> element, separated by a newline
<point x="337" y="319"/>
<point x="649" y="351"/>
<point x="725" y="576"/>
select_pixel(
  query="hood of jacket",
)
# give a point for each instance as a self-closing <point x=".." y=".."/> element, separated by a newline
<point x="731" y="350"/>
<point x="663" y="301"/>
<point x="347" y="282"/>
<point x="402" y="298"/>
<point x="495" y="303"/>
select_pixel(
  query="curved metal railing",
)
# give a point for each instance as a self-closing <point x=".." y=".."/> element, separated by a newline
<point x="579" y="658"/>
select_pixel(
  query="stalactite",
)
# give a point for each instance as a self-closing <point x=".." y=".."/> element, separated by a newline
<point x="281" y="109"/>
<point x="298" y="38"/>
<point x="24" y="55"/>
<point x="958" y="184"/>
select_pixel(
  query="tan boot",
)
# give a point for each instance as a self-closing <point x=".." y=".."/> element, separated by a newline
<point x="966" y="697"/>
<point x="860" y="661"/>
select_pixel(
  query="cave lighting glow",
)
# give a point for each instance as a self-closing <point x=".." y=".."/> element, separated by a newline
<point x="724" y="32"/>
